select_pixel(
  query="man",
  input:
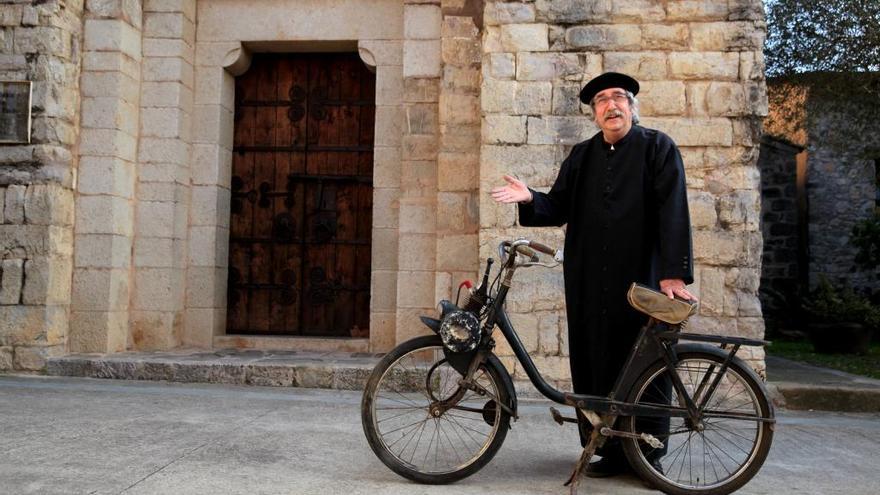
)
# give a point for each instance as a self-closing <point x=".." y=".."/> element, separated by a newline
<point x="622" y="195"/>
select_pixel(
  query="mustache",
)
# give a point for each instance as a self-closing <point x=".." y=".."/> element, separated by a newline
<point x="613" y="113"/>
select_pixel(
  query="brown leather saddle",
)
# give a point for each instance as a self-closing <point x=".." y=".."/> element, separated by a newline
<point x="658" y="305"/>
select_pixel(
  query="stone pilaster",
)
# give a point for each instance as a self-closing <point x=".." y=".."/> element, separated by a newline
<point x="162" y="211"/>
<point x="105" y="190"/>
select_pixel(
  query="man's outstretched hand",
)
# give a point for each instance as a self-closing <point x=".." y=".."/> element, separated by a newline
<point x="515" y="191"/>
<point x="675" y="287"/>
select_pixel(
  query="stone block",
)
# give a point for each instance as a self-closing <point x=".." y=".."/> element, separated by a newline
<point x="163" y="150"/>
<point x="418" y="179"/>
<point x="103" y="215"/>
<point x="108" y="143"/>
<point x="643" y="66"/>
<point x="24" y="241"/>
<point x="34" y="358"/>
<point x="415" y="289"/>
<point x="389" y="125"/>
<point x="499" y="66"/>
<point x="421" y="90"/>
<point x="457" y="252"/>
<point x="525" y="38"/>
<point x="169" y="25"/>
<point x="504" y="129"/>
<point x="418" y="215"/>
<point x="202" y="325"/>
<point x="662" y="98"/>
<point x="206" y="287"/>
<point x="2" y="203"/>
<point x="211" y="165"/>
<point x="720" y="248"/>
<point x="728" y="100"/>
<point x="419" y="147"/>
<point x="751" y="66"/>
<point x="187" y="7"/>
<point x="728" y="36"/>
<point x="13" y="211"/>
<point x="383" y="290"/>
<point x="421" y="118"/>
<point x="11" y="281"/>
<point x="740" y="208"/>
<point x="47" y="281"/>
<point x="533" y="98"/>
<point x="42" y="40"/>
<point x="128" y="10"/>
<point x="386" y="207"/>
<point x="159" y="252"/>
<point x="112" y="35"/>
<point x="158" y="289"/>
<point x="168" y="69"/>
<point x="559" y="130"/>
<point x="102" y="251"/>
<point x="497" y="13"/>
<point x="106" y="175"/>
<point x="461" y="51"/>
<point x="537" y="165"/>
<point x="166" y="94"/>
<point x="605" y="37"/>
<point x="548" y="334"/>
<point x="157" y="331"/>
<point x="155" y="218"/>
<point x="417" y="252"/>
<point x="566" y="101"/>
<point x="499" y="96"/>
<point x="98" y="331"/>
<point x="110" y="84"/>
<point x="22" y="325"/>
<point x="458" y="212"/>
<point x="702" y="209"/>
<point x="210" y="206"/>
<point x="10" y="15"/>
<point x="48" y="205"/>
<point x="457" y="171"/>
<point x="110" y="113"/>
<point x="421" y="58"/>
<point x="704" y="65"/>
<point x="208" y="246"/>
<point x="460" y="138"/>
<point x="111" y="62"/>
<point x="547" y="66"/>
<point x="385" y="52"/>
<point x="492" y="39"/>
<point x="6" y="358"/>
<point x="526" y="325"/>
<point x="389" y="85"/>
<point x="637" y="11"/>
<point x="165" y="123"/>
<point x="694" y="131"/>
<point x="100" y="289"/>
<point x="459" y="109"/>
<point x="696" y="10"/>
<point x="421" y="22"/>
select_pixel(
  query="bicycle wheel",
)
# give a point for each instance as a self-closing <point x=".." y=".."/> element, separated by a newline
<point x="714" y="458"/>
<point x="397" y="419"/>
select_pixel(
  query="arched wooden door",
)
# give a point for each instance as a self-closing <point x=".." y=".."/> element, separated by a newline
<point x="301" y="214"/>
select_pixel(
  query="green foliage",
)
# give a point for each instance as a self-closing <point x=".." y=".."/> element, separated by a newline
<point x="822" y="36"/>
<point x="867" y="365"/>
<point x="866" y="237"/>
<point x="830" y="304"/>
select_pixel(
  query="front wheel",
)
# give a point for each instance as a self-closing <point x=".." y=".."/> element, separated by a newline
<point x="719" y="454"/>
<point x="401" y="426"/>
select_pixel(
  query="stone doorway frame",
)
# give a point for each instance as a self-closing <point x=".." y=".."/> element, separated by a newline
<point x="217" y="65"/>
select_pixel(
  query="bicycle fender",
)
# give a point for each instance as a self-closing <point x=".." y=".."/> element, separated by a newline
<point x="506" y="380"/>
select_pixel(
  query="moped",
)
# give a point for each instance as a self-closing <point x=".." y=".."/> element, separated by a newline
<point x="691" y="416"/>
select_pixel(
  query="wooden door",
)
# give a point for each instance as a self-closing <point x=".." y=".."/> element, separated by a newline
<point x="301" y="215"/>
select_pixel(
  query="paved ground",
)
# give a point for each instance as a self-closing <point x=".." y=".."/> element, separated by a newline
<point x="74" y="435"/>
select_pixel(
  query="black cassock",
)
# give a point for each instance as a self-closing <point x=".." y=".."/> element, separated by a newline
<point x="627" y="221"/>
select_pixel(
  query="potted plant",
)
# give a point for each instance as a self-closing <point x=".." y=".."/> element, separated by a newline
<point x="839" y="320"/>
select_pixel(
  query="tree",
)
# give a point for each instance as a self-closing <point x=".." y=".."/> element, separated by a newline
<point x="836" y="36"/>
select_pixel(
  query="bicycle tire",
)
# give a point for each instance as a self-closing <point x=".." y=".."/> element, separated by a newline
<point x="738" y="448"/>
<point x="401" y="373"/>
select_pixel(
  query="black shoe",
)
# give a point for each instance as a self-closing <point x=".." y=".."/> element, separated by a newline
<point x="606" y="467"/>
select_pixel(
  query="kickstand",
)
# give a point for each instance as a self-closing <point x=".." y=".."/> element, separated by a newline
<point x="596" y="441"/>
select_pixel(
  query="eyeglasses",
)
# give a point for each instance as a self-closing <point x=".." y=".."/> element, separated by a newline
<point x="603" y="100"/>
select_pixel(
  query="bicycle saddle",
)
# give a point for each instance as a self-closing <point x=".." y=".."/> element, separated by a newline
<point x="658" y="305"/>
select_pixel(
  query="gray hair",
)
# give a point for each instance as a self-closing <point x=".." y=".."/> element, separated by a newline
<point x="633" y="105"/>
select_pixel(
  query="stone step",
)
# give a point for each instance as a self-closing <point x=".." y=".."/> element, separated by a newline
<point x="334" y="370"/>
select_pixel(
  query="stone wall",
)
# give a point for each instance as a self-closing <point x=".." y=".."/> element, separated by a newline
<point x="701" y="69"/>
<point x="39" y="42"/>
<point x="840" y="160"/>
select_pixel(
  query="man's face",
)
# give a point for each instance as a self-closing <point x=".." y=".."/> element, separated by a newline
<point x="613" y="112"/>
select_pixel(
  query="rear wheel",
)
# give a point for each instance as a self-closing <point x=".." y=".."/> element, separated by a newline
<point x="719" y="454"/>
<point x="402" y="429"/>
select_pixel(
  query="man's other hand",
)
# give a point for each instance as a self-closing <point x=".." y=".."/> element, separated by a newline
<point x="515" y="191"/>
<point x="673" y="287"/>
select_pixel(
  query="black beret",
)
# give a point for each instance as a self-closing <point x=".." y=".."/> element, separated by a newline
<point x="608" y="80"/>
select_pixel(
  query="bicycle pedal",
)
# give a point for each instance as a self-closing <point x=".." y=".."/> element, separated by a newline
<point x="559" y="418"/>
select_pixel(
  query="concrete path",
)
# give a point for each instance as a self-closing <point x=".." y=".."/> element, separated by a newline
<point x="74" y="435"/>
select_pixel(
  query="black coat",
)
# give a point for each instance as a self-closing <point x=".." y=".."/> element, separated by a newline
<point x="627" y="221"/>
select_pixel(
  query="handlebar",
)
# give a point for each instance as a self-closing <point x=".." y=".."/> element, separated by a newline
<point x="528" y="248"/>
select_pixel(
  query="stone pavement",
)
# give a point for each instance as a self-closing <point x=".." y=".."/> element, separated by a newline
<point x="75" y="435"/>
<point x="792" y="385"/>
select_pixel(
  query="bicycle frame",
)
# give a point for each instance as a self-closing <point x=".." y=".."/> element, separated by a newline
<point x="655" y="342"/>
